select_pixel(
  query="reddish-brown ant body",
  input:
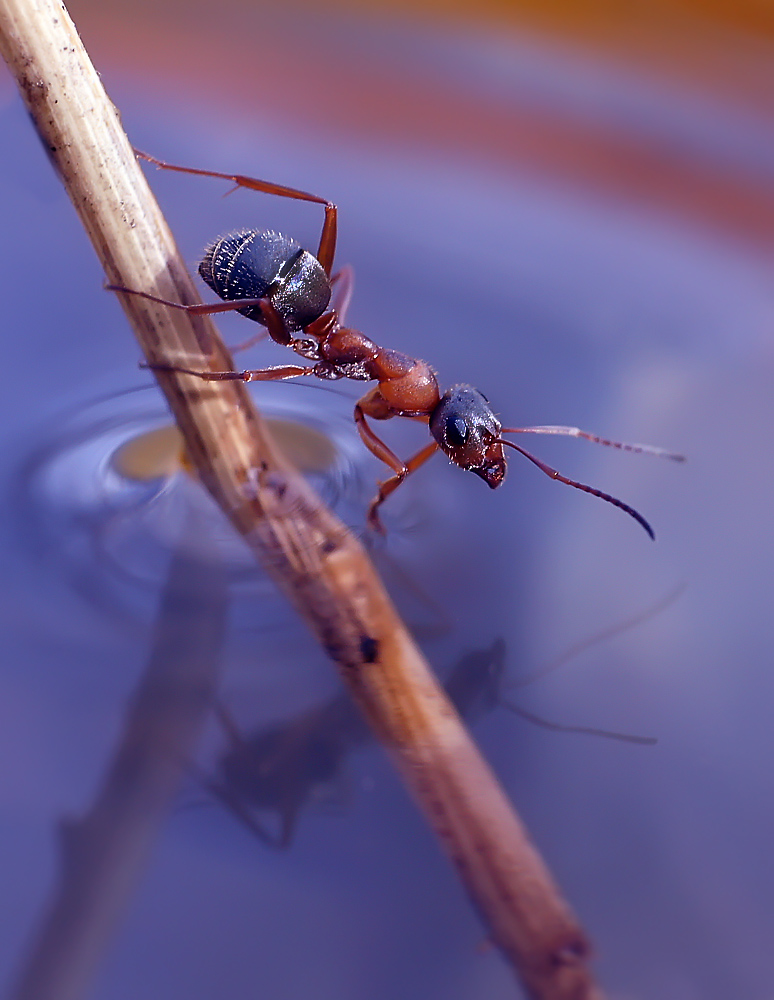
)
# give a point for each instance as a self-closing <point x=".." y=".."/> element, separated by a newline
<point x="271" y="279"/>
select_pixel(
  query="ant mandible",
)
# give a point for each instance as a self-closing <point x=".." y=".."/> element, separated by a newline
<point x="271" y="279"/>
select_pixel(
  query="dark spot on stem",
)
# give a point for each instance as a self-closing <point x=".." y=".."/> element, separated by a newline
<point x="369" y="649"/>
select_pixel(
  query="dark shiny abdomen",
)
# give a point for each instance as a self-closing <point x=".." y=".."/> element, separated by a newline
<point x="244" y="265"/>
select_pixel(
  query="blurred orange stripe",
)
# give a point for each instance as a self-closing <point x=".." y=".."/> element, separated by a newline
<point x="721" y="46"/>
<point x="752" y="17"/>
<point x="309" y="88"/>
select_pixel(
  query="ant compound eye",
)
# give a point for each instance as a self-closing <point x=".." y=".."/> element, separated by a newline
<point x="463" y="423"/>
<point x="456" y="431"/>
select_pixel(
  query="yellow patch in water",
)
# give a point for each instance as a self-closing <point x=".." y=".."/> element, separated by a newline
<point x="160" y="452"/>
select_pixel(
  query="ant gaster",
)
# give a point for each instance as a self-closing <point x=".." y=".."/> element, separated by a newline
<point x="271" y="279"/>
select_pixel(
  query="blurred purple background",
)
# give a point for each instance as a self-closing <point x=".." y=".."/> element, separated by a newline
<point x="585" y="236"/>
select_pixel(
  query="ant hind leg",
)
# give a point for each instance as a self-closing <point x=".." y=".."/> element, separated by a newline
<point x="327" y="249"/>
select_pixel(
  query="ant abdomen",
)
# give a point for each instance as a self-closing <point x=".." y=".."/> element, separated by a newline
<point x="253" y="264"/>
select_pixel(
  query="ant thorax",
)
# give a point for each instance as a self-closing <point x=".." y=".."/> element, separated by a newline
<point x="313" y="350"/>
<point x="306" y="348"/>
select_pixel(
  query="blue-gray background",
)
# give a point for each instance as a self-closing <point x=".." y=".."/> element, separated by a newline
<point x="564" y="303"/>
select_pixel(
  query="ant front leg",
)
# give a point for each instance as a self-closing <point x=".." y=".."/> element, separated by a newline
<point x="375" y="406"/>
<point x="327" y="249"/>
<point x="390" y="485"/>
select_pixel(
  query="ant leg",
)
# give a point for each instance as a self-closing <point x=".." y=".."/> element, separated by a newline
<point x="275" y="324"/>
<point x="231" y="801"/>
<point x="375" y="444"/>
<point x="390" y="485"/>
<point x="197" y="309"/>
<point x="274" y="374"/>
<point x="344" y="282"/>
<point x="374" y="405"/>
<point x="327" y="250"/>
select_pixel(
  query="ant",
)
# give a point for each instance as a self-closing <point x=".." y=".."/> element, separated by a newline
<point x="272" y="280"/>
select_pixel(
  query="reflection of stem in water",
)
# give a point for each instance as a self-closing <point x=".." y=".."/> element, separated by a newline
<point x="104" y="852"/>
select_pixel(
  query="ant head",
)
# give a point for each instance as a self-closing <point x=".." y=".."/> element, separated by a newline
<point x="467" y="430"/>
<point x="253" y="263"/>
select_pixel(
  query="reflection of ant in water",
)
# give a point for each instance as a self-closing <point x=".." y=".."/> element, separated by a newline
<point x="287" y="766"/>
<point x="271" y="279"/>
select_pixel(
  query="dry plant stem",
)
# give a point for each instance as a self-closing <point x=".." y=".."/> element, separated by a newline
<point x="319" y="565"/>
<point x="104" y="852"/>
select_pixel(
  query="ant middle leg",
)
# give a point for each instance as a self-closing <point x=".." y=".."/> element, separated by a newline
<point x="375" y="406"/>
<point x="327" y="249"/>
<point x="275" y="324"/>
<point x="273" y="374"/>
<point x="196" y="308"/>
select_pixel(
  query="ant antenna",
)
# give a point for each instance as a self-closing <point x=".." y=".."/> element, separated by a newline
<point x="640" y="449"/>
<point x="599" y="637"/>
<point x="578" y="486"/>
<point x="558" y="727"/>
